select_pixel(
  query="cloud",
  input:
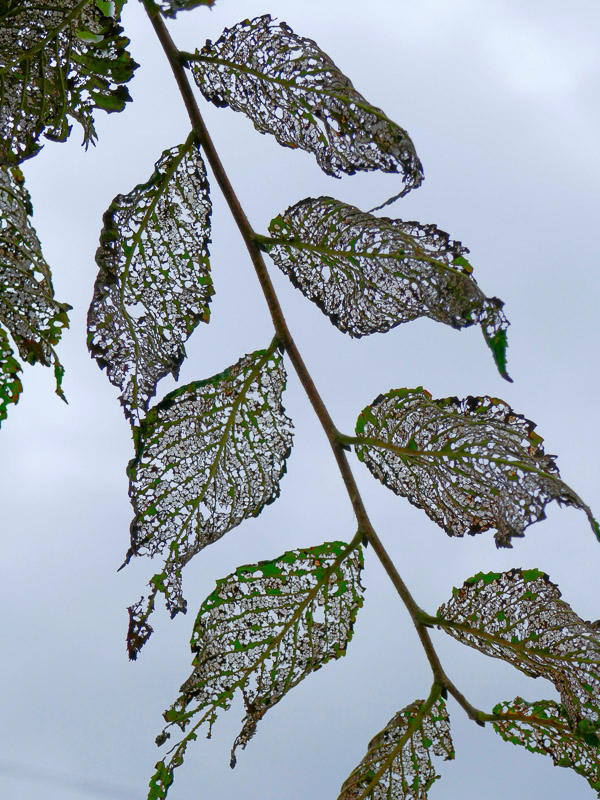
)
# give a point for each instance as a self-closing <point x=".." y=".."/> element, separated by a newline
<point x="537" y="60"/>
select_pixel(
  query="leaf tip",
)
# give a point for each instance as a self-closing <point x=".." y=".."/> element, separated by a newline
<point x="498" y="344"/>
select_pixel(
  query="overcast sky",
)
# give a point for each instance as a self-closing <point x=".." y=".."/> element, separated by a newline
<point x="500" y="98"/>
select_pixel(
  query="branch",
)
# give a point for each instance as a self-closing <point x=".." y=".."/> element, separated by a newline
<point x="252" y="241"/>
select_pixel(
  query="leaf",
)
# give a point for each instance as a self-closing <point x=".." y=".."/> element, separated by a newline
<point x="472" y="465"/>
<point x="262" y="631"/>
<point x="289" y="87"/>
<point x="544" y="728"/>
<point x="209" y="456"/>
<point x="10" y="383"/>
<point x="519" y="616"/>
<point x="60" y="60"/>
<point x="154" y="283"/>
<point x="169" y="8"/>
<point x="28" y="310"/>
<point x="398" y="764"/>
<point x="369" y="274"/>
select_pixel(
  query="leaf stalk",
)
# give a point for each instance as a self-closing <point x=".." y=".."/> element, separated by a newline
<point x="338" y="442"/>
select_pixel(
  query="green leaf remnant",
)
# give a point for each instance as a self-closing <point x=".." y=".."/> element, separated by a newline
<point x="28" y="309"/>
<point x="471" y="464"/>
<point x="154" y="284"/>
<point x="398" y="763"/>
<point x="369" y="274"/>
<point x="169" y="8"/>
<point x="209" y="456"/>
<point x="520" y="617"/>
<point x="290" y="88"/>
<point x="544" y="727"/>
<point x="262" y="631"/>
<point x="10" y="383"/>
<point x="61" y="60"/>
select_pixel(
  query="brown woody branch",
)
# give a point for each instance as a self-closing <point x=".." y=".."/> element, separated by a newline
<point x="176" y="60"/>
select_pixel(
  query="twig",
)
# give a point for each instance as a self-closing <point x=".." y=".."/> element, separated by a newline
<point x="251" y="240"/>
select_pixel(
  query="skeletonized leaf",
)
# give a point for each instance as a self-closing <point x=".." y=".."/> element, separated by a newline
<point x="545" y="728"/>
<point x="289" y="87"/>
<point x="154" y="285"/>
<point x="472" y="465"/>
<point x="60" y="60"/>
<point x="10" y="383"/>
<point x="519" y="616"/>
<point x="369" y="274"/>
<point x="210" y="455"/>
<point x="398" y="763"/>
<point x="262" y="631"/>
<point x="28" y="310"/>
<point x="169" y="8"/>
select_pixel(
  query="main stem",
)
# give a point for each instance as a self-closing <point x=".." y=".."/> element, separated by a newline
<point x="285" y="337"/>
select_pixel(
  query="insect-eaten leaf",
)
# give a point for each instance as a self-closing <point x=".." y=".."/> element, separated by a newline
<point x="28" y="309"/>
<point x="209" y="456"/>
<point x="262" y="631"/>
<point x="290" y="88"/>
<point x="472" y="465"/>
<point x="544" y="727"/>
<point x="10" y="383"/>
<point x="61" y="60"/>
<point x="369" y="274"/>
<point x="154" y="284"/>
<point x="398" y="763"/>
<point x="169" y="8"/>
<point x="519" y="616"/>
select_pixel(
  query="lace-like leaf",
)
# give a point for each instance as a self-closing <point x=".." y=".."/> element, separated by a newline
<point x="210" y="455"/>
<point x="545" y="728"/>
<point x="519" y="616"/>
<point x="471" y="465"/>
<point x="154" y="286"/>
<point x="369" y="274"/>
<point x="289" y="87"/>
<point x="262" y="631"/>
<point x="398" y="763"/>
<point x="10" y="383"/>
<point x="28" y="310"/>
<point x="169" y="8"/>
<point x="60" y="60"/>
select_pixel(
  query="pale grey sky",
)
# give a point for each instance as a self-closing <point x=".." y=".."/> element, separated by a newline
<point x="500" y="99"/>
